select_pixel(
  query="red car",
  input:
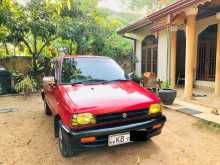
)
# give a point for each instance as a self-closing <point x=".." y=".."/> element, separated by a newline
<point x="95" y="104"/>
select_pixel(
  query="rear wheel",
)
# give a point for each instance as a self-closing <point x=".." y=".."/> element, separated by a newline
<point x="47" y="110"/>
<point x="65" y="144"/>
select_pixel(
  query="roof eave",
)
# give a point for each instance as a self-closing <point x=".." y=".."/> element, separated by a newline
<point x="177" y="6"/>
<point x="135" y="26"/>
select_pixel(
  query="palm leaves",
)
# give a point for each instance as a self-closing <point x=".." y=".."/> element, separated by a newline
<point x="26" y="85"/>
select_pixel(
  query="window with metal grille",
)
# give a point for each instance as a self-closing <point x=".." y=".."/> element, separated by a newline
<point x="149" y="55"/>
<point x="206" y="59"/>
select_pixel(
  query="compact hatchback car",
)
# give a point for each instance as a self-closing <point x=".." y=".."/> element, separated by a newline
<point x="96" y="104"/>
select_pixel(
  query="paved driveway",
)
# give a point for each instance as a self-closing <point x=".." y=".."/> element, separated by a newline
<point x="26" y="137"/>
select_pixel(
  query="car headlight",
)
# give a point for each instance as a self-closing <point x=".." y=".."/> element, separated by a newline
<point x="154" y="108"/>
<point x="83" y="119"/>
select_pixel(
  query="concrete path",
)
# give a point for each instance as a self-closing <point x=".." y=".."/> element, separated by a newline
<point x="197" y="110"/>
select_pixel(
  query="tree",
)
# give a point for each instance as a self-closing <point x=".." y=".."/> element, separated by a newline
<point x="4" y="16"/>
<point x="90" y="30"/>
<point x="3" y="38"/>
<point x="77" y="24"/>
<point x="33" y="24"/>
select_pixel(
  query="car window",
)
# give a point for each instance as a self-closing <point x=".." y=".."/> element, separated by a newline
<point x="82" y="69"/>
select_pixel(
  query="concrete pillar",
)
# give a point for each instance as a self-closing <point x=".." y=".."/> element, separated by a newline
<point x="173" y="56"/>
<point x="162" y="66"/>
<point x="217" y="76"/>
<point x="190" y="50"/>
<point x="138" y="56"/>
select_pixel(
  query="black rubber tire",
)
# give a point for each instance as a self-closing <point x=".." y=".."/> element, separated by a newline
<point x="65" y="145"/>
<point x="56" y="127"/>
<point x="47" y="110"/>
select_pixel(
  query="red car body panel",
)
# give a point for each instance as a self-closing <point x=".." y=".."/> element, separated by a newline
<point x="65" y="100"/>
<point x="108" y="98"/>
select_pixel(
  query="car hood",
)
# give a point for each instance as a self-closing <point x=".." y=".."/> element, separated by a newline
<point x="110" y="97"/>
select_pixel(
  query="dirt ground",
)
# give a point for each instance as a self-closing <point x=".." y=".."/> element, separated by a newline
<point x="26" y="137"/>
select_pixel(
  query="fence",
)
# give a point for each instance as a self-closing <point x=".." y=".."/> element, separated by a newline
<point x="16" y="63"/>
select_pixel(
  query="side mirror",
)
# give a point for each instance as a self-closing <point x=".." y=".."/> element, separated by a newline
<point x="132" y="76"/>
<point x="48" y="81"/>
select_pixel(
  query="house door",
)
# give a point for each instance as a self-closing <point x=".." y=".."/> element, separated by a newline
<point x="206" y="61"/>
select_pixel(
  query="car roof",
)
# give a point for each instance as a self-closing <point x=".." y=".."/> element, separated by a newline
<point x="79" y="56"/>
<point x="84" y="56"/>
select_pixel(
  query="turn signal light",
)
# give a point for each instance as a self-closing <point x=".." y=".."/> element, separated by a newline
<point x="88" y="139"/>
<point x="157" y="126"/>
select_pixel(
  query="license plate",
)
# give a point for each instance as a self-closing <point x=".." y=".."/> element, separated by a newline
<point x="118" y="139"/>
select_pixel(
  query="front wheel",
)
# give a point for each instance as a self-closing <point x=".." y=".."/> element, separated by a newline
<point x="65" y="145"/>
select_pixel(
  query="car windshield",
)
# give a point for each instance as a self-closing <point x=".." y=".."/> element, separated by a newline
<point x="80" y="70"/>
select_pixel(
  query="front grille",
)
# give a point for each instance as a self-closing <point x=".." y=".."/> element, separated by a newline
<point x="120" y="116"/>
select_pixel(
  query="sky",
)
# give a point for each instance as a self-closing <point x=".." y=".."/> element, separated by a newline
<point x="116" y="5"/>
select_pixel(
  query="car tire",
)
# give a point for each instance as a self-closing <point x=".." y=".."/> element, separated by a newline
<point x="47" y="110"/>
<point x="65" y="144"/>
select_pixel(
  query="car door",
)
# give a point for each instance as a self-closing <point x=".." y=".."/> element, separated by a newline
<point x="51" y="90"/>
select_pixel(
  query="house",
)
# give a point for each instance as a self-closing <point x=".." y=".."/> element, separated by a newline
<point x="180" y="42"/>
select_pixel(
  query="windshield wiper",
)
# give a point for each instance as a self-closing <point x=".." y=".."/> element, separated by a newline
<point x="110" y="81"/>
<point x="89" y="81"/>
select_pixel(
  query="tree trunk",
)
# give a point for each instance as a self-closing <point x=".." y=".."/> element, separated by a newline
<point x="6" y="48"/>
<point x="34" y="57"/>
<point x="79" y="50"/>
<point x="34" y="62"/>
<point x="14" y="50"/>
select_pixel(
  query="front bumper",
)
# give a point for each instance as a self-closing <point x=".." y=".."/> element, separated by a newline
<point x="103" y="133"/>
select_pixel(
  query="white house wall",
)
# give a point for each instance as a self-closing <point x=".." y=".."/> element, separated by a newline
<point x="139" y="36"/>
<point x="162" y="67"/>
<point x="162" y="53"/>
<point x="138" y="57"/>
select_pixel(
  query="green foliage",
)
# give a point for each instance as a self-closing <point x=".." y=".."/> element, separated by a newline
<point x="42" y="28"/>
<point x="90" y="30"/>
<point x="32" y="24"/>
<point x="39" y="68"/>
<point x="26" y="85"/>
<point x="45" y="27"/>
<point x="166" y="84"/>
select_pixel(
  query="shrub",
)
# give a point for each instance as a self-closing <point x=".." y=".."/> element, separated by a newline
<point x="166" y="84"/>
<point x="26" y="85"/>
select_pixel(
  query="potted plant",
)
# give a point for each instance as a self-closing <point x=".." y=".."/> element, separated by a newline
<point x="166" y="94"/>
